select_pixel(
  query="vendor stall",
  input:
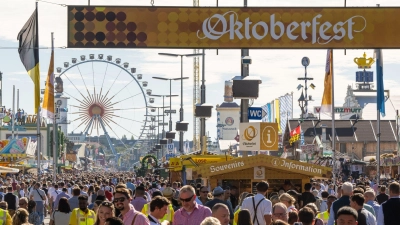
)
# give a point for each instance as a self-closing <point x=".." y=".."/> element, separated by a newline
<point x="246" y="172"/>
<point x="189" y="162"/>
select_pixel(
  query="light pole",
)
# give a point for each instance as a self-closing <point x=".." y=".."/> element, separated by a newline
<point x="302" y="104"/>
<point x="305" y="61"/>
<point x="181" y="109"/>
<point x="170" y="95"/>
<point x="158" y="124"/>
<point x="163" y="96"/>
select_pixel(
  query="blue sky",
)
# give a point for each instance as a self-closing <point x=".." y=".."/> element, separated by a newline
<point x="278" y="69"/>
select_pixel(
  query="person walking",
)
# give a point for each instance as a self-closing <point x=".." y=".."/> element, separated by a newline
<point x="344" y="200"/>
<point x="106" y="210"/>
<point x="158" y="209"/>
<point x="191" y="212"/>
<point x="259" y="207"/>
<point x="62" y="214"/>
<point x="12" y="201"/>
<point x="389" y="210"/>
<point x="39" y="196"/>
<point x="62" y="194"/>
<point x="244" y="218"/>
<point x="34" y="217"/>
<point x="128" y="214"/>
<point x="82" y="215"/>
<point x="221" y="212"/>
<point x="219" y="197"/>
<point x="74" y="201"/>
<point x="382" y="197"/>
<point x="364" y="216"/>
<point x="20" y="217"/>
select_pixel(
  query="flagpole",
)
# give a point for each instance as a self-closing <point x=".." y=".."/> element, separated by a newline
<point x="54" y="119"/>
<point x="378" y="122"/>
<point x="378" y="115"/>
<point x="333" y="122"/>
<point x="378" y="146"/>
<point x="39" y="139"/>
<point x="18" y="112"/>
<point x="13" y="115"/>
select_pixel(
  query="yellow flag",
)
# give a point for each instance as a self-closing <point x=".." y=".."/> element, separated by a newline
<point x="326" y="104"/>
<point x="48" y="101"/>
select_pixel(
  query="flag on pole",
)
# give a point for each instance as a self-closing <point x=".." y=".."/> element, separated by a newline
<point x="187" y="147"/>
<point x="295" y="135"/>
<point x="48" y="100"/>
<point x="379" y="82"/>
<point x="269" y="112"/>
<point x="285" y="110"/>
<point x="28" y="50"/>
<point x="326" y="104"/>
<point x="277" y="114"/>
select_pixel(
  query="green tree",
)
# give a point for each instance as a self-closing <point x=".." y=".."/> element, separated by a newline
<point x="132" y="138"/>
<point x="124" y="138"/>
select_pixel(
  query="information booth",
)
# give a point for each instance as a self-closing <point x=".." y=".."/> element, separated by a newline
<point x="246" y="172"/>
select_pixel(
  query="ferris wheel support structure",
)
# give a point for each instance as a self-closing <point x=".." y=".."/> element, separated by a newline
<point x="108" y="138"/>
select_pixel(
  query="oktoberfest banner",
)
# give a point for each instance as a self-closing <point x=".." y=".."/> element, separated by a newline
<point x="232" y="27"/>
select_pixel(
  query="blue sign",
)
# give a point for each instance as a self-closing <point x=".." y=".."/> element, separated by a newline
<point x="168" y="156"/>
<point x="170" y="147"/>
<point x="256" y="113"/>
<point x="364" y="76"/>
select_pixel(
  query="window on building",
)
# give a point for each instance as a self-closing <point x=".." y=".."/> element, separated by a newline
<point x="343" y="147"/>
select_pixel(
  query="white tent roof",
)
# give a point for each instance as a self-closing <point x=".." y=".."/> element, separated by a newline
<point x="225" y="144"/>
<point x="4" y="169"/>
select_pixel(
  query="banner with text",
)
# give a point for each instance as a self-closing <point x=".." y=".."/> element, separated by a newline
<point x="232" y="27"/>
<point x="317" y="109"/>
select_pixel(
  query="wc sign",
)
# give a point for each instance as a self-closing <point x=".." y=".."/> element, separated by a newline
<point x="256" y="113"/>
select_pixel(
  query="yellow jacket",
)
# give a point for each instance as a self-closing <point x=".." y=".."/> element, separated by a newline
<point x="236" y="216"/>
<point x="5" y="215"/>
<point x="88" y="218"/>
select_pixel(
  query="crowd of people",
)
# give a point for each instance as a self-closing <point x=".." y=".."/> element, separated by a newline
<point x="125" y="199"/>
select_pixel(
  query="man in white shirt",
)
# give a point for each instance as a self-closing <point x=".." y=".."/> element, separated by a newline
<point x="158" y="209"/>
<point x="39" y="196"/>
<point x="261" y="213"/>
<point x="53" y="195"/>
<point x="21" y="191"/>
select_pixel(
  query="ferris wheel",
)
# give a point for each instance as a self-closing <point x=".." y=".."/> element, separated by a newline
<point x="100" y="95"/>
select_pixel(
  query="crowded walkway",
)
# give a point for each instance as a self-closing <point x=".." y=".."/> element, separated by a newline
<point x="124" y="198"/>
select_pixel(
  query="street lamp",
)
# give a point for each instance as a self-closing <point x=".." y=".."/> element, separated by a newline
<point x="302" y="104"/>
<point x="170" y="110"/>
<point x="158" y="125"/>
<point x="181" y="109"/>
<point x="170" y="95"/>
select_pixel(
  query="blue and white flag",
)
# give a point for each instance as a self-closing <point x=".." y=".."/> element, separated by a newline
<point x="285" y="110"/>
<point x="187" y="147"/>
<point x="380" y="101"/>
<point x="270" y="112"/>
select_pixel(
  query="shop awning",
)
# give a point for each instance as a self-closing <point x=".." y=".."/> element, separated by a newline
<point x="4" y="169"/>
<point x="270" y="162"/>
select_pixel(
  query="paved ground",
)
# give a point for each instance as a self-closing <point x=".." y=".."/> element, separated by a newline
<point x="47" y="220"/>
